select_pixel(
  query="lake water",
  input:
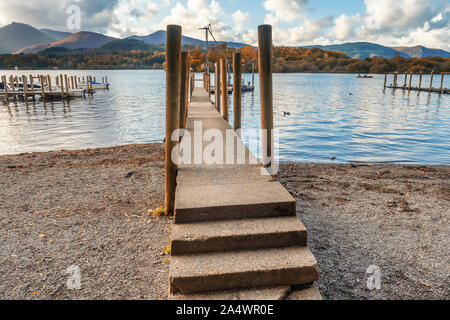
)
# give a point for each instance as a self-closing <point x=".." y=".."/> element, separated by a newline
<point x="331" y="115"/>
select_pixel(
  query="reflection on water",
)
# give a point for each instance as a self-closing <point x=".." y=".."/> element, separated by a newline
<point x="331" y="115"/>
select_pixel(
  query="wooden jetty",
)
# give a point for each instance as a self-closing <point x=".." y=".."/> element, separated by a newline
<point x="235" y="233"/>
<point x="42" y="86"/>
<point x="422" y="87"/>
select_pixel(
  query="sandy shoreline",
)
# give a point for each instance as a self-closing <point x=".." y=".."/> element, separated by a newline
<point x="89" y="208"/>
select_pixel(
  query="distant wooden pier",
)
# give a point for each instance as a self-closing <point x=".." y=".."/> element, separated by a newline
<point x="408" y="80"/>
<point x="62" y="87"/>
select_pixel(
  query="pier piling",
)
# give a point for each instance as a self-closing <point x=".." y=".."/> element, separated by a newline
<point x="173" y="62"/>
<point x="237" y="89"/>
<point x="431" y="81"/>
<point x="184" y="88"/>
<point x="224" y="82"/>
<point x="266" y="90"/>
<point x="217" y="86"/>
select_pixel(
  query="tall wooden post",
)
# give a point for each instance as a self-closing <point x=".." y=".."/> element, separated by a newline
<point x="76" y="82"/>
<point x="42" y="88"/>
<point x="410" y="81"/>
<point x="61" y="85"/>
<point x="57" y="81"/>
<point x="173" y="77"/>
<point x="420" y="81"/>
<point x="183" y="88"/>
<point x="72" y="82"/>
<point x="49" y="80"/>
<point x="395" y="80"/>
<point x="217" y="86"/>
<point x="431" y="82"/>
<point x="385" y="80"/>
<point x="13" y="88"/>
<point x="66" y="81"/>
<point x="25" y="88"/>
<point x="442" y="82"/>
<point x="406" y="78"/>
<point x="237" y="89"/>
<point x="5" y="85"/>
<point x="266" y="89"/>
<point x="224" y="81"/>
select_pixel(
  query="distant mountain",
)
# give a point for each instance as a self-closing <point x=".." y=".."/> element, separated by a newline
<point x="79" y="40"/>
<point x="126" y="44"/>
<point x="18" y="35"/>
<point x="56" y="35"/>
<point x="159" y="38"/>
<point x="423" y="52"/>
<point x="363" y="50"/>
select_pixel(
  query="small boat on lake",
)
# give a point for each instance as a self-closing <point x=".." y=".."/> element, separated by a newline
<point x="364" y="77"/>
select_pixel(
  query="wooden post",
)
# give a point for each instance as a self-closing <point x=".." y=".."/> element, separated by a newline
<point x="72" y="82"/>
<point x="25" y="88"/>
<point x="57" y="81"/>
<point x="76" y="82"/>
<point x="237" y="89"/>
<point x="61" y="86"/>
<point x="11" y="83"/>
<point x="106" y="79"/>
<point x="385" y="80"/>
<point x="42" y="88"/>
<point x="32" y="85"/>
<point x="442" y="82"/>
<point x="217" y="86"/>
<point x="224" y="80"/>
<point x="183" y="88"/>
<point x="410" y="81"/>
<point x="431" y="81"/>
<point x="395" y="80"/>
<point x="406" y="78"/>
<point x="49" y="80"/>
<point x="66" y="81"/>
<point x="5" y="85"/>
<point x="266" y="94"/>
<point x="173" y="77"/>
<point x="420" y="82"/>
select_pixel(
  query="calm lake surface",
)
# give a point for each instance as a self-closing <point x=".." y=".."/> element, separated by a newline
<point x="331" y="115"/>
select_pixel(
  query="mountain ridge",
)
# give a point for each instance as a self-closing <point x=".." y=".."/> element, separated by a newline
<point x="79" y="40"/>
<point x="22" y="38"/>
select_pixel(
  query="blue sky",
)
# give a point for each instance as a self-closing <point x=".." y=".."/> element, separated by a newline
<point x="295" y="22"/>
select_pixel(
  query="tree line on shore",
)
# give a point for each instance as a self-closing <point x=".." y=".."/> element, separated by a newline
<point x="286" y="60"/>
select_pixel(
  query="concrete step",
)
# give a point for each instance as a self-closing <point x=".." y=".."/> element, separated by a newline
<point x="201" y="175"/>
<point x="232" y="201"/>
<point x="242" y="269"/>
<point x="230" y="235"/>
<point x="256" y="294"/>
<point x="309" y="292"/>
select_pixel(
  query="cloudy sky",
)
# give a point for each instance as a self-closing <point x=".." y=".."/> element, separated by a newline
<point x="296" y="22"/>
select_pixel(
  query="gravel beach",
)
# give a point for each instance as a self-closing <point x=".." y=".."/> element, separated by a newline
<point x="393" y="217"/>
<point x="89" y="210"/>
<point x="86" y="209"/>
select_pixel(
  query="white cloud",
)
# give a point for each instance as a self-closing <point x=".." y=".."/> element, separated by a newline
<point x="302" y="34"/>
<point x="343" y="28"/>
<point x="239" y="19"/>
<point x="132" y="17"/>
<point x="284" y="10"/>
<point x="382" y="14"/>
<point x="271" y="19"/>
<point x="196" y="14"/>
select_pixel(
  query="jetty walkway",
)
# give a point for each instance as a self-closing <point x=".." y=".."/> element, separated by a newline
<point x="235" y="233"/>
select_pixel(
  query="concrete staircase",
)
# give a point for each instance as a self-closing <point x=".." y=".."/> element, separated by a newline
<point x="236" y="234"/>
